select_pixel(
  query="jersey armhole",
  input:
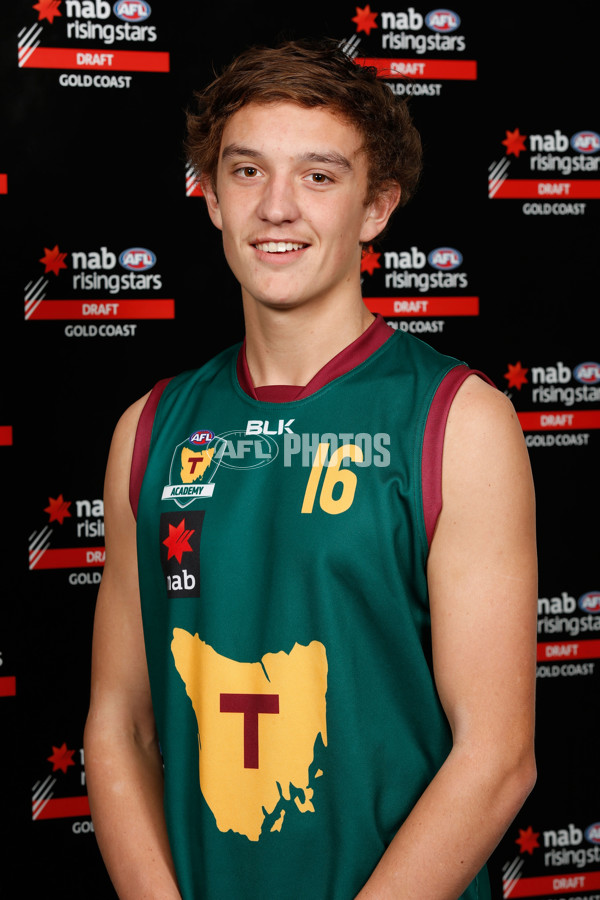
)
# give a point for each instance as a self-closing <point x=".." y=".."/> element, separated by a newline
<point x="141" y="446"/>
<point x="433" y="443"/>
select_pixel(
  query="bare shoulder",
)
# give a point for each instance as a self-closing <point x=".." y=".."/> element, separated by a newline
<point x="483" y="432"/>
<point x="126" y="426"/>
<point x="482" y="571"/>
<point x="123" y="439"/>
<point x="487" y="485"/>
<point x="119" y="672"/>
<point x="478" y="403"/>
<point x="117" y="623"/>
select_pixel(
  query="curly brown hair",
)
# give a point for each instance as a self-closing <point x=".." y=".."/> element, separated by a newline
<point x="311" y="74"/>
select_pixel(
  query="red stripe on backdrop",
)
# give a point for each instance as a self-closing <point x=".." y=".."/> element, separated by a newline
<point x="565" y="650"/>
<point x="8" y="686"/>
<point x="63" y="808"/>
<point x="114" y="309"/>
<point x="534" y="188"/>
<point x="70" y="558"/>
<point x="423" y="306"/>
<point x="424" y="69"/>
<point x="555" y="884"/>
<point x="6" y="435"/>
<point x="98" y="59"/>
<point x="3" y="183"/>
<point x="559" y="420"/>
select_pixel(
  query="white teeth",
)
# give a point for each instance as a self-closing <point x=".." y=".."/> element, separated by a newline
<point x="278" y="246"/>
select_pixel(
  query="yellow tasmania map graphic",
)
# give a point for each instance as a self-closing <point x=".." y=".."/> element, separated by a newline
<point x="257" y="727"/>
<point x="194" y="464"/>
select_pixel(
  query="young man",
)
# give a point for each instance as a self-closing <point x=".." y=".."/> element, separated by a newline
<point x="327" y="688"/>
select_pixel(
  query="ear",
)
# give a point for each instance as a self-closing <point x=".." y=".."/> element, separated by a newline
<point x="379" y="211"/>
<point x="212" y="201"/>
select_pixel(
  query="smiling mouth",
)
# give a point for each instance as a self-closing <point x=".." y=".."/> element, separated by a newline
<point x="279" y="246"/>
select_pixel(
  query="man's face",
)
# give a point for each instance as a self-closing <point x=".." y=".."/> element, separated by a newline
<point x="289" y="199"/>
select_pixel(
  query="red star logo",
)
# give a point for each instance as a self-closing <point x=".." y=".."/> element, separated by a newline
<point x="58" y="509"/>
<point x="178" y="541"/>
<point x="369" y="260"/>
<point x="516" y="375"/>
<point x="365" y="19"/>
<point x="528" y="840"/>
<point x="53" y="260"/>
<point x="61" y="758"/>
<point x="47" y="9"/>
<point x="514" y="142"/>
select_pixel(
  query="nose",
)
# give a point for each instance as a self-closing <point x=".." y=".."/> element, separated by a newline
<point x="278" y="202"/>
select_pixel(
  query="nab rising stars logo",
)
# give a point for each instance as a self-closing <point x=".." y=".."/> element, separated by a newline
<point x="552" y="166"/>
<point x="91" y="22"/>
<point x="193" y="467"/>
<point x="420" y="38"/>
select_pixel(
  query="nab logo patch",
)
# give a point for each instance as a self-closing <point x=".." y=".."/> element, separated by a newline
<point x="180" y="552"/>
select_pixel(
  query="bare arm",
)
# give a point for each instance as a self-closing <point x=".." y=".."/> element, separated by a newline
<point x="122" y="760"/>
<point x="482" y="574"/>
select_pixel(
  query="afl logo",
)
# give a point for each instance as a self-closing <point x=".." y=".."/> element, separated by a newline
<point x="132" y="10"/>
<point x="592" y="833"/>
<point x="587" y="373"/>
<point x="590" y="602"/>
<point x="445" y="258"/>
<point x="247" y="451"/>
<point x="202" y="437"/>
<point x="442" y="20"/>
<point x="137" y="259"/>
<point x="586" y="142"/>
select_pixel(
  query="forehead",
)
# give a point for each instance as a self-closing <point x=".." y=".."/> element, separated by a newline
<point x="292" y="130"/>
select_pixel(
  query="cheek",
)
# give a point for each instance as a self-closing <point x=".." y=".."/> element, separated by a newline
<point x="232" y="255"/>
<point x="227" y="246"/>
<point x="351" y="225"/>
<point x="239" y="259"/>
<point x="231" y="232"/>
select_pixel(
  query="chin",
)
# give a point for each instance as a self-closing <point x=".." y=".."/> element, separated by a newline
<point x="282" y="304"/>
<point x="279" y="301"/>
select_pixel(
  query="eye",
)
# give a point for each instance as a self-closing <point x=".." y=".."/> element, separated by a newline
<point x="319" y="178"/>
<point x="247" y="172"/>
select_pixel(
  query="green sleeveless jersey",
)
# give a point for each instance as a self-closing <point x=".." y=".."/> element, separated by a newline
<point x="282" y="555"/>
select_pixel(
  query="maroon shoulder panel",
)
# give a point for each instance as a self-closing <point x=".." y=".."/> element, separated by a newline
<point x="433" y="443"/>
<point x="141" y="445"/>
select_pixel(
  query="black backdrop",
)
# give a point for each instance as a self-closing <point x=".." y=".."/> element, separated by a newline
<point x="123" y="282"/>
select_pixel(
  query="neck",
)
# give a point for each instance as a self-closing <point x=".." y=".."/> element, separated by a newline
<point x="289" y="346"/>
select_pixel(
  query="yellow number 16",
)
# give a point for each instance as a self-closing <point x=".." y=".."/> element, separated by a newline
<point x="333" y="476"/>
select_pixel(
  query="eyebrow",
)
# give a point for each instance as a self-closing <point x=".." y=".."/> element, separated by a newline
<point x="331" y="158"/>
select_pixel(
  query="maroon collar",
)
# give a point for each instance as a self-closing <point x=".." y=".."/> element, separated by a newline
<point x="351" y="356"/>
